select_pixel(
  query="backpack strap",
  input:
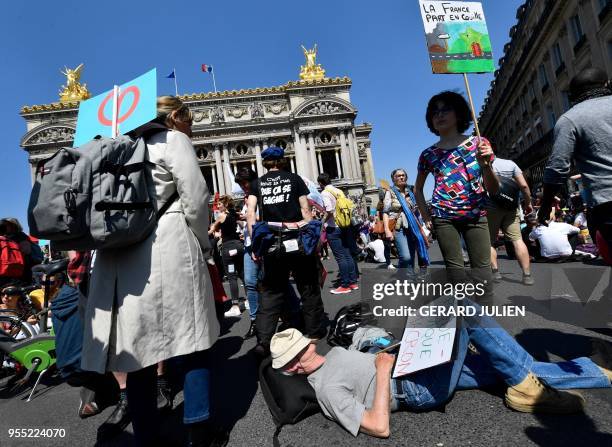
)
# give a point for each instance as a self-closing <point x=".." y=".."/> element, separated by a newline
<point x="167" y="205"/>
<point x="331" y="192"/>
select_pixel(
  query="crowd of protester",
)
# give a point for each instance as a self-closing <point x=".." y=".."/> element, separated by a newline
<point x="167" y="308"/>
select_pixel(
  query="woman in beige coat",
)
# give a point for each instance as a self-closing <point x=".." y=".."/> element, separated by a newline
<point x="154" y="301"/>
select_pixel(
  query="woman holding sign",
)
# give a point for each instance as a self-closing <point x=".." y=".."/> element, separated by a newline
<point x="461" y="167"/>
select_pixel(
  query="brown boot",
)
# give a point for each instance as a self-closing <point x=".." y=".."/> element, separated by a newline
<point x="534" y="396"/>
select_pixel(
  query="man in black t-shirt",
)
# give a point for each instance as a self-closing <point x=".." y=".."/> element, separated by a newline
<point x="279" y="194"/>
<point x="282" y="197"/>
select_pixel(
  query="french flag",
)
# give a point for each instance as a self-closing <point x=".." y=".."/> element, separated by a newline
<point x="207" y="68"/>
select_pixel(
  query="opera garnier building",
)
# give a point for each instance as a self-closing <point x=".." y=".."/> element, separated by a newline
<point x="312" y="118"/>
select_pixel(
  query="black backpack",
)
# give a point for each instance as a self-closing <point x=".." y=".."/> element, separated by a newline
<point x="508" y="195"/>
<point x="290" y="399"/>
<point x="346" y="322"/>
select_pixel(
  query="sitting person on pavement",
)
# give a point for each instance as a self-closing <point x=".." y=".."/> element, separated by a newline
<point x="554" y="240"/>
<point x="356" y="390"/>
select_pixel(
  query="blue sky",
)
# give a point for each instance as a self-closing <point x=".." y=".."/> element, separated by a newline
<point x="379" y="45"/>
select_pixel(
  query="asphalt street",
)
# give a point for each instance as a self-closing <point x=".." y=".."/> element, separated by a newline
<point x="476" y="418"/>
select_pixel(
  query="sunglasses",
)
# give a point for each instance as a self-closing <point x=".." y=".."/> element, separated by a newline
<point x="441" y="111"/>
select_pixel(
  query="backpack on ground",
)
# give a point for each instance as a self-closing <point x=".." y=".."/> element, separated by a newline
<point x="290" y="399"/>
<point x="344" y="208"/>
<point x="347" y="321"/>
<point x="94" y="197"/>
<point x="12" y="263"/>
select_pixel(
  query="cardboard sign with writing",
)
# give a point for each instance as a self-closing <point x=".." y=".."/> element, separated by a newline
<point x="427" y="341"/>
<point x="457" y="37"/>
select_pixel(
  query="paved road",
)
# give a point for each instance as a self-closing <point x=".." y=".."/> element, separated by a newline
<point x="474" y="418"/>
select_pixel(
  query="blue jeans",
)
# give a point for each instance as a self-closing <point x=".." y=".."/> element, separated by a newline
<point x="406" y="243"/>
<point x="339" y="242"/>
<point x="253" y="273"/>
<point x="500" y="360"/>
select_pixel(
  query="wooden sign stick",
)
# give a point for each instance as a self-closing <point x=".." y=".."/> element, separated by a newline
<point x="474" y="118"/>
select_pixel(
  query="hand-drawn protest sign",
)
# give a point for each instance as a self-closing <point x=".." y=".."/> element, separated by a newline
<point x="136" y="106"/>
<point x="457" y="37"/>
<point x="427" y="341"/>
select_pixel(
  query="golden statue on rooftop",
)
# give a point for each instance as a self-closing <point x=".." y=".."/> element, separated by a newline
<point x="73" y="90"/>
<point x="312" y="70"/>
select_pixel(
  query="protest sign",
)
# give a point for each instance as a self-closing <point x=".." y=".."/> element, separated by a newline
<point x="135" y="105"/>
<point x="457" y="37"/>
<point x="427" y="341"/>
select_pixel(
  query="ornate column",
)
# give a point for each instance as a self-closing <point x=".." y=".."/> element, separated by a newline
<point x="370" y="167"/>
<point x="347" y="172"/>
<point x="260" y="169"/>
<point x="352" y="137"/>
<point x="234" y="168"/>
<point x="292" y="160"/>
<point x="313" y="157"/>
<point x="253" y="166"/>
<point x="219" y="169"/>
<point x="338" y="166"/>
<point x="227" y="169"/>
<point x="320" y="162"/>
<point x="300" y="156"/>
<point x="214" y="178"/>
<point x="354" y="153"/>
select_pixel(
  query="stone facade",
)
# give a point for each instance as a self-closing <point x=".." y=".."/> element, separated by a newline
<point x="314" y="121"/>
<point x="551" y="42"/>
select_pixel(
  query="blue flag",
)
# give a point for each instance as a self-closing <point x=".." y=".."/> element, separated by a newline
<point x="171" y="75"/>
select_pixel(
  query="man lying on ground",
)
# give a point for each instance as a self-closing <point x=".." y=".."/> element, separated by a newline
<point x="356" y="390"/>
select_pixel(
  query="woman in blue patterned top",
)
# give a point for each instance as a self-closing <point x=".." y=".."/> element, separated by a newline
<point x="461" y="166"/>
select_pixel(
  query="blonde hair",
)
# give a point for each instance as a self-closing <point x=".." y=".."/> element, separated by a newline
<point x="168" y="104"/>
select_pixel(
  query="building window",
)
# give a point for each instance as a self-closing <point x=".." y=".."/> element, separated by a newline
<point x="543" y="77"/>
<point x="325" y="138"/>
<point x="531" y="90"/>
<point x="241" y="149"/>
<point x="566" y="100"/>
<point x="604" y="10"/>
<point x="557" y="57"/>
<point x="281" y="143"/>
<point x="552" y="118"/>
<point x="576" y="28"/>
<point x="539" y="130"/>
<point x="328" y="160"/>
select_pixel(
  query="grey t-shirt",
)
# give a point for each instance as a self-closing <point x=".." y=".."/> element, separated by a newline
<point x="506" y="168"/>
<point x="345" y="386"/>
<point x="503" y="168"/>
<point x="584" y="134"/>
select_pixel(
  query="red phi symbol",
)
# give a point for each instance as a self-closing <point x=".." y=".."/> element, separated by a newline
<point x="105" y="121"/>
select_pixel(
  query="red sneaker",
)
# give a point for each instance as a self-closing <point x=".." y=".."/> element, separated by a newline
<point x="354" y="286"/>
<point x="341" y="290"/>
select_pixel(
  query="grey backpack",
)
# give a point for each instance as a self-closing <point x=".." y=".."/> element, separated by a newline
<point x="94" y="197"/>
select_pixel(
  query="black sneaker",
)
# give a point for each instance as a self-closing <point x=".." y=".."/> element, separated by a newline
<point x="164" y="397"/>
<point x="116" y="422"/>
<point x="251" y="332"/>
